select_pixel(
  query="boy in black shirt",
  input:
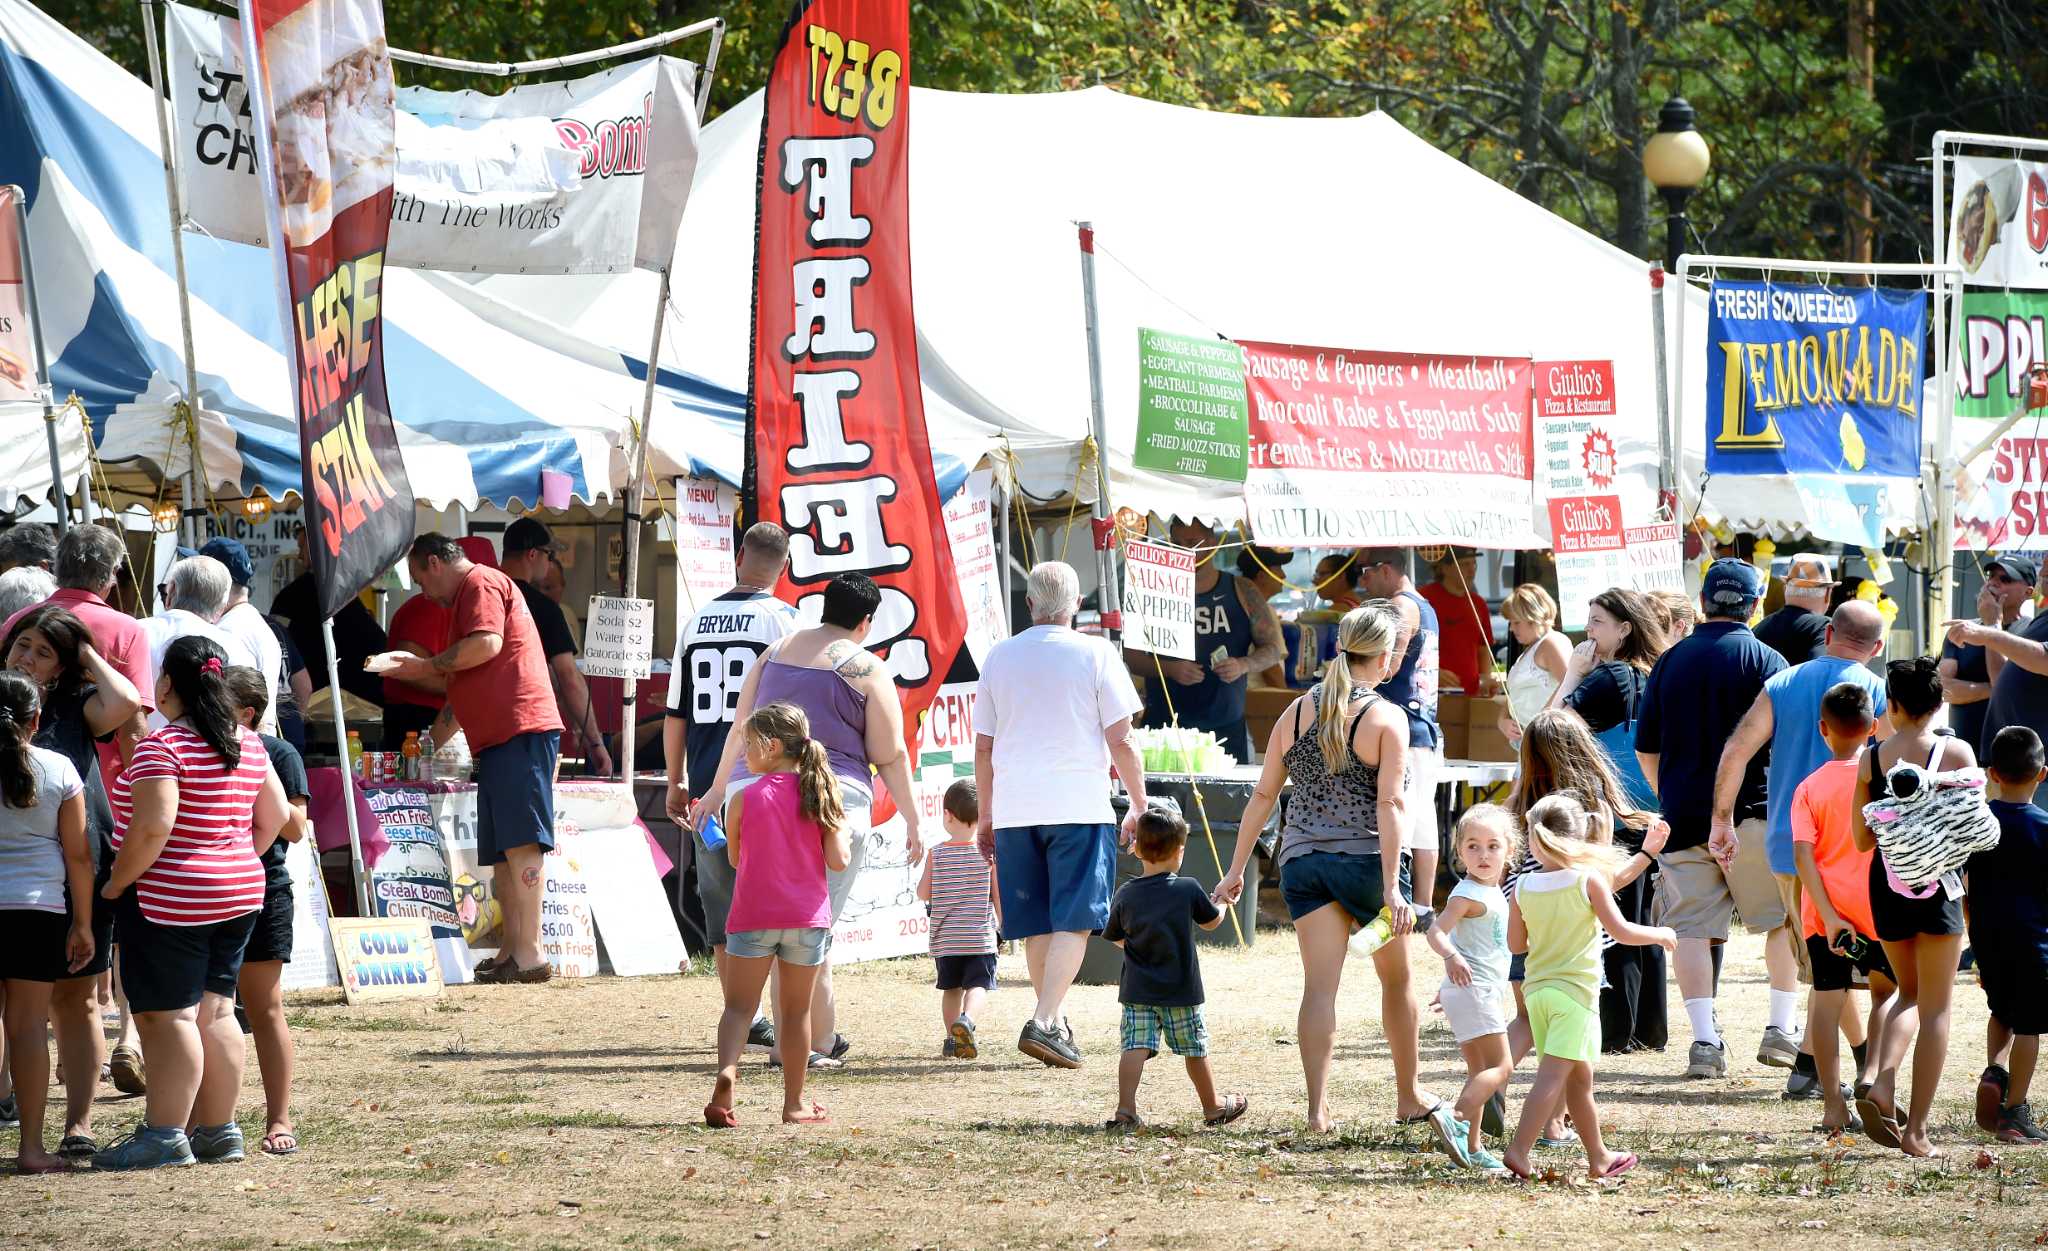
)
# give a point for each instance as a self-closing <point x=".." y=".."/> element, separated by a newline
<point x="1153" y="919"/>
<point x="2008" y="898"/>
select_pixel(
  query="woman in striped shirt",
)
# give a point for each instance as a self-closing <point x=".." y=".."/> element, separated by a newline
<point x="192" y="812"/>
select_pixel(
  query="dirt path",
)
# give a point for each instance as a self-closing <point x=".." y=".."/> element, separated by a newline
<point x="566" y="1115"/>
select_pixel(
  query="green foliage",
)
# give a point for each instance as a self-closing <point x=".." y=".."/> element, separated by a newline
<point x="1552" y="97"/>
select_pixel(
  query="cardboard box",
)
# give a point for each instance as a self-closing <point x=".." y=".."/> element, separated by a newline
<point x="1457" y="741"/>
<point x="1485" y="713"/>
<point x="1487" y="743"/>
<point x="1450" y="710"/>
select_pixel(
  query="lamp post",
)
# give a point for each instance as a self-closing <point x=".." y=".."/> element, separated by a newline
<point x="1676" y="162"/>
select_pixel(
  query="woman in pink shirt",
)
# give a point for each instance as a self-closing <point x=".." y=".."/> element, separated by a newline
<point x="192" y="812"/>
<point x="794" y="828"/>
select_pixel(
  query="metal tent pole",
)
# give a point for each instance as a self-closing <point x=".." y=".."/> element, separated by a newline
<point x="629" y="578"/>
<point x="1667" y="469"/>
<point x="59" y="491"/>
<point x="348" y="779"/>
<point x="1107" y="599"/>
<point x="189" y="518"/>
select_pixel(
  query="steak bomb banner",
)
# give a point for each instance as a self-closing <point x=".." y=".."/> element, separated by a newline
<point x="583" y="176"/>
<point x="1814" y="380"/>
<point x="1998" y="222"/>
<point x="324" y="124"/>
<point x="1355" y="449"/>
<point x="837" y="452"/>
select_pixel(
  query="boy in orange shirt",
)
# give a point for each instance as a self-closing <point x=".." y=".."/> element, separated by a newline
<point x="1834" y="878"/>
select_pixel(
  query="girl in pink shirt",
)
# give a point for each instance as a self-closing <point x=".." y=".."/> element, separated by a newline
<point x="792" y="828"/>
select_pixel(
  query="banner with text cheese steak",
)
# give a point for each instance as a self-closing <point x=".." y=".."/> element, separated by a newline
<point x="837" y="452"/>
<point x="1359" y="449"/>
<point x="324" y="119"/>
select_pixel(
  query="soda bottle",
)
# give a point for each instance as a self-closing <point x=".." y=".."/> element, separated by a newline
<point x="411" y="754"/>
<point x="355" y="753"/>
<point x="1379" y="931"/>
<point x="712" y="835"/>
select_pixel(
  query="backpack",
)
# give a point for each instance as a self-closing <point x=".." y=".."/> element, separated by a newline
<point x="1931" y="823"/>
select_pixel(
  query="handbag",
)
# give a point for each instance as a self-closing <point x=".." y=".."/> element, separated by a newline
<point x="1931" y="823"/>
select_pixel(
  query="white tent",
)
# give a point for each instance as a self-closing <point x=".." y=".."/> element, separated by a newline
<point x="1350" y="233"/>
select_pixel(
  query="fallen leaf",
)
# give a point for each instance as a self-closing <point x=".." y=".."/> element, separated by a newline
<point x="1983" y="1160"/>
<point x="690" y="1172"/>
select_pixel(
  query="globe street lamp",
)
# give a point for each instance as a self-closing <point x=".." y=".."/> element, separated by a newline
<point x="1676" y="161"/>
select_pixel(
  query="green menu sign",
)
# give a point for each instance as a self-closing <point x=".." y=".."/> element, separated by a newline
<point x="1191" y="406"/>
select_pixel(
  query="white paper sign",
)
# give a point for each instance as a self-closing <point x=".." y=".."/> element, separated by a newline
<point x="1656" y="558"/>
<point x="577" y="177"/>
<point x="1998" y="222"/>
<point x="970" y="524"/>
<point x="1159" y="599"/>
<point x="618" y="638"/>
<point x="312" y="965"/>
<point x="568" y="937"/>
<point x="706" y="510"/>
<point x="633" y="917"/>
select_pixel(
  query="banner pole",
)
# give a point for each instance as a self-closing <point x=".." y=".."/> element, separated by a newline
<point x="1667" y="468"/>
<point x="189" y="520"/>
<point x="629" y="578"/>
<point x="1941" y="561"/>
<point x="348" y="778"/>
<point x="1107" y="599"/>
<point x="60" y="493"/>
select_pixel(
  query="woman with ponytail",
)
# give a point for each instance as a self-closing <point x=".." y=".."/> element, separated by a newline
<point x="193" y="811"/>
<point x="782" y="834"/>
<point x="91" y="717"/>
<point x="44" y="859"/>
<point x="1346" y="751"/>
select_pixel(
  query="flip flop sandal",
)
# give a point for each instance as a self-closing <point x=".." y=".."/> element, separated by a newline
<point x="1519" y="1174"/>
<point x="1423" y="1118"/>
<point x="1493" y="1119"/>
<point x="1879" y="1126"/>
<point x="1125" y="1121"/>
<point x="1621" y="1164"/>
<point x="285" y="1143"/>
<point x="1233" y="1107"/>
<point x="721" y="1118"/>
<point x="1991" y="1091"/>
<point x="78" y="1147"/>
<point x="1554" y="1143"/>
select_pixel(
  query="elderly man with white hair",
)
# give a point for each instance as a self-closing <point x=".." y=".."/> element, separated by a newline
<point x="194" y="595"/>
<point x="1052" y="713"/>
<point x="24" y="586"/>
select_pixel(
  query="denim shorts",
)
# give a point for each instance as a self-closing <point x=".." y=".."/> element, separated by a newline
<point x="1055" y="879"/>
<point x="515" y="795"/>
<point x="1356" y="882"/>
<point x="794" y="946"/>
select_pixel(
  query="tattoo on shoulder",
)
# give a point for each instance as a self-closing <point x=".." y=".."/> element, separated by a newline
<point x="859" y="666"/>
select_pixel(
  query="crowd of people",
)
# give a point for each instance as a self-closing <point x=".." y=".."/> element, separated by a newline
<point x="1677" y="772"/>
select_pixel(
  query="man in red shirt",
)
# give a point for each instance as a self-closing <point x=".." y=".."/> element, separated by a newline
<point x="1465" y="641"/>
<point x="420" y="626"/>
<point x="499" y="693"/>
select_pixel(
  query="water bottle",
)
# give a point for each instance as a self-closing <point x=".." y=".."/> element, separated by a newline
<point x="712" y="835"/>
<point x="1379" y="931"/>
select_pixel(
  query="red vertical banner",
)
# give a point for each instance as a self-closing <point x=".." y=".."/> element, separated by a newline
<point x="837" y="452"/>
<point x="326" y="123"/>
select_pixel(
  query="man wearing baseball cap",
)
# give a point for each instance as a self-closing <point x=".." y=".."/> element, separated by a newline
<point x="1698" y="693"/>
<point x="1965" y="669"/>
<point x="528" y="548"/>
<point x="246" y="624"/>
<point x="1799" y="630"/>
<point x="2017" y="659"/>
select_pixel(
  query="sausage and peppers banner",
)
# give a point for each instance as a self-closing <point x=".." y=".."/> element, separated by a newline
<point x="1358" y="449"/>
<point x="324" y="119"/>
<point x="584" y="176"/>
<point x="837" y="452"/>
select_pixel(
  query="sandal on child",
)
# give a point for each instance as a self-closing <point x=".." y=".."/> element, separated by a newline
<point x="283" y="1142"/>
<point x="1421" y="1118"/>
<point x="1125" y="1121"/>
<point x="721" y="1118"/>
<point x="1880" y="1126"/>
<point x="1233" y="1107"/>
<point x="78" y="1147"/>
<point x="1620" y="1164"/>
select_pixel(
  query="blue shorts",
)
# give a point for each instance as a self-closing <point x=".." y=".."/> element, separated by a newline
<point x="1055" y="879"/>
<point x="515" y="795"/>
<point x="791" y="946"/>
<point x="1354" y="882"/>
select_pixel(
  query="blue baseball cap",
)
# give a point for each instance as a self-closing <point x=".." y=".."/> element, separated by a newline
<point x="230" y="552"/>
<point x="1732" y="584"/>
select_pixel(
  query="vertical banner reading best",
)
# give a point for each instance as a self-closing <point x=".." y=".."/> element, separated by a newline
<point x="325" y="125"/>
<point x="836" y="450"/>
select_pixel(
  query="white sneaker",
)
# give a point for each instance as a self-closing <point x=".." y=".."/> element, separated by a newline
<point x="1707" y="1060"/>
<point x="1778" y="1049"/>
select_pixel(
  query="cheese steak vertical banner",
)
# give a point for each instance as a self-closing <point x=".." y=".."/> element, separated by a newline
<point x="837" y="452"/>
<point x="325" y="125"/>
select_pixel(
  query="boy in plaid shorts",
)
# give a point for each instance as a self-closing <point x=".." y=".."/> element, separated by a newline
<point x="1153" y="919"/>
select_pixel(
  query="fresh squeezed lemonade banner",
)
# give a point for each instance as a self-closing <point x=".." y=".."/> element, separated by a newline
<point x="1356" y="449"/>
<point x="1814" y="380"/>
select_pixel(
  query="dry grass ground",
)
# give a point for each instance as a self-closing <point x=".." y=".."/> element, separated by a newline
<point x="565" y="1115"/>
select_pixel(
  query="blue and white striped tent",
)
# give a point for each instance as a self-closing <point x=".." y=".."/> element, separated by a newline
<point x="485" y="395"/>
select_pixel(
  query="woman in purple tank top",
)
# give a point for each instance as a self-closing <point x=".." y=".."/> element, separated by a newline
<point x="850" y="699"/>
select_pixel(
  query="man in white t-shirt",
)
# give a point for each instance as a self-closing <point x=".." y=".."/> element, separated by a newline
<point x="193" y="596"/>
<point x="1052" y="713"/>
<point x="246" y="623"/>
